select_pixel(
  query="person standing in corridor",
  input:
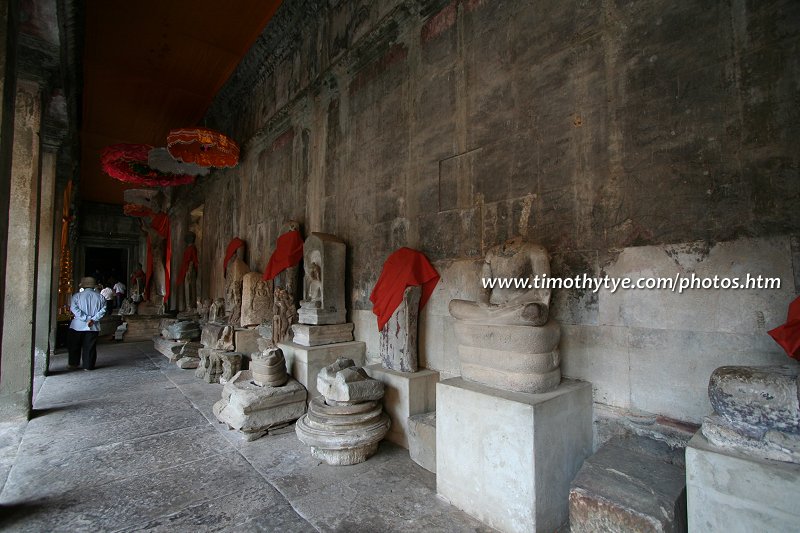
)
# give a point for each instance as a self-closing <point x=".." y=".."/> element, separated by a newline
<point x="89" y="307"/>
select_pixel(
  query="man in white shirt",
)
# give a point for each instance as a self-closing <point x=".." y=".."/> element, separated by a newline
<point x="108" y="294"/>
<point x="88" y="307"/>
<point x="119" y="291"/>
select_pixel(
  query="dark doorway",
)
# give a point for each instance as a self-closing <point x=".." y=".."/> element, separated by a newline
<point x="106" y="263"/>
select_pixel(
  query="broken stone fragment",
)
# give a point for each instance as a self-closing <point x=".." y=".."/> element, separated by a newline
<point x="342" y="381"/>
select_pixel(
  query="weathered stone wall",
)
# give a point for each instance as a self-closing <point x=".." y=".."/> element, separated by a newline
<point x="604" y="130"/>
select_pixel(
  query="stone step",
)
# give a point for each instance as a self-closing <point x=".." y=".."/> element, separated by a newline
<point x="626" y="488"/>
<point x="422" y="440"/>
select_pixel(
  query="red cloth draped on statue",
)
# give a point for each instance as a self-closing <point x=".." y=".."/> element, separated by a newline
<point x="788" y="335"/>
<point x="404" y="268"/>
<point x="160" y="223"/>
<point x="189" y="258"/>
<point x="234" y="245"/>
<point x="288" y="253"/>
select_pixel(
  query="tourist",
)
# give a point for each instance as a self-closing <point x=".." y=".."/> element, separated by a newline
<point x="108" y="294"/>
<point x="88" y="307"/>
<point x="119" y="291"/>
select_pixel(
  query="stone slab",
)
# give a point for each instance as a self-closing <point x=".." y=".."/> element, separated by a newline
<point x="142" y="328"/>
<point x="305" y="362"/>
<point x="168" y="348"/>
<point x="308" y="335"/>
<point x="422" y="440"/>
<point x="732" y="492"/>
<point x="246" y="341"/>
<point x="508" y="458"/>
<point x="621" y="488"/>
<point x="406" y="394"/>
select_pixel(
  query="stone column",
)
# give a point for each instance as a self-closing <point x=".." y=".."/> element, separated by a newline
<point x="9" y="23"/>
<point x="16" y="365"/>
<point x="44" y="276"/>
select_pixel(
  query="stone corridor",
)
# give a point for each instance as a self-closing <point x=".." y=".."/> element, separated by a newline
<point x="133" y="446"/>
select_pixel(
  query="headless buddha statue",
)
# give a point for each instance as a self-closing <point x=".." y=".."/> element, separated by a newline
<point x="527" y="306"/>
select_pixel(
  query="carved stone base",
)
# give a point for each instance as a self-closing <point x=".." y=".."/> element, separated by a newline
<point x="307" y="335"/>
<point x="254" y="410"/>
<point x="217" y="366"/>
<point x="320" y="316"/>
<point x="342" y="434"/>
<point x="513" y="358"/>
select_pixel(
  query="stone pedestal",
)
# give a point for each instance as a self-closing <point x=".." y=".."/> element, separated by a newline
<point x="732" y="492"/>
<point x="142" y="328"/>
<point x="246" y="341"/>
<point x="406" y="394"/>
<point x="305" y="362"/>
<point x="254" y="410"/>
<point x="508" y="458"/>
<point x="422" y="440"/>
<point x="308" y="335"/>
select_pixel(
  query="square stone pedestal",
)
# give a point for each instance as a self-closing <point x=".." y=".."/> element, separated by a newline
<point x="406" y="394"/>
<point x="732" y="492"/>
<point x="305" y="362"/>
<point x="508" y="458"/>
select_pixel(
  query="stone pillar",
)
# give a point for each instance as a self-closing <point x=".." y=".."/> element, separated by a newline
<point x="16" y="365"/>
<point x="9" y="23"/>
<point x="44" y="278"/>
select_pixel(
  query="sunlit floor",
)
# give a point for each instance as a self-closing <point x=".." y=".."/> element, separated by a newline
<point x="133" y="446"/>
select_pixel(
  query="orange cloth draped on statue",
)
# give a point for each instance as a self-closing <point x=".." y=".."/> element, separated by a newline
<point x="404" y="268"/>
<point x="234" y="245"/>
<point x="189" y="258"/>
<point x="160" y="223"/>
<point x="788" y="334"/>
<point x="288" y="253"/>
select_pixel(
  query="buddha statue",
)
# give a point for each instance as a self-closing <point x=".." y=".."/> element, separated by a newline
<point x="505" y="337"/>
<point x="527" y="306"/>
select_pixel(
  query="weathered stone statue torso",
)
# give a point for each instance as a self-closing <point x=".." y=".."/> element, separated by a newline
<point x="234" y="280"/>
<point x="505" y="339"/>
<point x="514" y="260"/>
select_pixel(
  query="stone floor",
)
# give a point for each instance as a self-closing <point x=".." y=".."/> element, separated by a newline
<point x="133" y="446"/>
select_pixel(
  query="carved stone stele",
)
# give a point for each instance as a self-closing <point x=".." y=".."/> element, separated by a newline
<point x="256" y="300"/>
<point x="323" y="285"/>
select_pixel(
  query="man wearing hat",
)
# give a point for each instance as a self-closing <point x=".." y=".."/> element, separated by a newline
<point x="89" y="307"/>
